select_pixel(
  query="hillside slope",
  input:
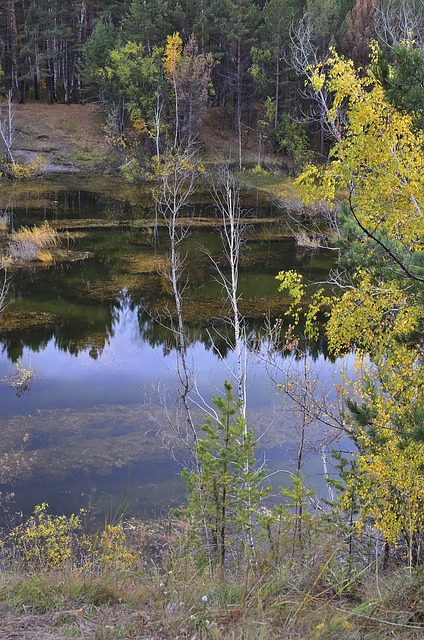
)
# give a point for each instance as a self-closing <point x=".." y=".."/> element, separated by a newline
<point x="71" y="137"/>
<point x="67" y="136"/>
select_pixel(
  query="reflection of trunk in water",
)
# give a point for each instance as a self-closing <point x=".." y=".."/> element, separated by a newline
<point x="233" y="231"/>
<point x="177" y="185"/>
<point x="62" y="312"/>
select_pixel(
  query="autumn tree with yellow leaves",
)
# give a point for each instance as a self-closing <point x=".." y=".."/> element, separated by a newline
<point x="189" y="73"/>
<point x="376" y="169"/>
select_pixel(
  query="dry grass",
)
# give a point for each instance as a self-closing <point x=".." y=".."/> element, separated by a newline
<point x="4" y="221"/>
<point x="35" y="243"/>
<point x="170" y="594"/>
<point x="181" y="601"/>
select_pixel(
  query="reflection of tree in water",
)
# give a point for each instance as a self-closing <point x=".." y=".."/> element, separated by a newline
<point x="215" y="335"/>
<point x="35" y="338"/>
<point x="90" y="327"/>
<point x="92" y="336"/>
<point x="75" y="321"/>
<point x="84" y="303"/>
<point x="70" y="335"/>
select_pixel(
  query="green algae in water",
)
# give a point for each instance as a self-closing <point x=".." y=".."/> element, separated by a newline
<point x="91" y="329"/>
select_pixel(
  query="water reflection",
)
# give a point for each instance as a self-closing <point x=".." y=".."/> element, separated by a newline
<point x="98" y="335"/>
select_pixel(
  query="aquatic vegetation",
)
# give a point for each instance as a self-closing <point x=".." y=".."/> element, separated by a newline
<point x="88" y="303"/>
<point x="13" y="320"/>
<point x="16" y="463"/>
<point x="36" y="243"/>
<point x="23" y="377"/>
<point x="143" y="263"/>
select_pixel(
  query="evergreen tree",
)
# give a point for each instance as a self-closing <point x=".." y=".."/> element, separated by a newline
<point x="225" y="493"/>
<point x="96" y="56"/>
<point x="403" y="81"/>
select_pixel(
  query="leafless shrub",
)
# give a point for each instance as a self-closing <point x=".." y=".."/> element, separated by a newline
<point x="400" y="21"/>
<point x="307" y="241"/>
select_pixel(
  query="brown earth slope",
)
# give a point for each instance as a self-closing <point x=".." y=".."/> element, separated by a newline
<point x="68" y="137"/>
<point x="71" y="137"/>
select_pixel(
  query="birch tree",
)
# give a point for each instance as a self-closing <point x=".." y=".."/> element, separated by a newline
<point x="7" y="127"/>
<point x="4" y="284"/>
<point x="176" y="186"/>
<point x="379" y="164"/>
<point x="307" y="60"/>
<point x="226" y="194"/>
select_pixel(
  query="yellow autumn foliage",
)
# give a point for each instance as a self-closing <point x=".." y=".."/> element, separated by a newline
<point x="44" y="541"/>
<point x="378" y="165"/>
<point x="173" y="51"/>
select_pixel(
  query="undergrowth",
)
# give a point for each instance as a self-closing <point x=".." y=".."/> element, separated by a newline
<point x="143" y="580"/>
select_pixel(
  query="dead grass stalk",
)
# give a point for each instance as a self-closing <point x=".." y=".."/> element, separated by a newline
<point x="35" y="243"/>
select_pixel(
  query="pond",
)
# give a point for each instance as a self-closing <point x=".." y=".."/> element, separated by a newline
<point x="88" y="381"/>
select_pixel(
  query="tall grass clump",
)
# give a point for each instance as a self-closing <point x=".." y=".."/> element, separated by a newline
<point x="36" y="243"/>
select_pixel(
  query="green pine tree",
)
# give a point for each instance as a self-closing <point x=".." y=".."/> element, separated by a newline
<point x="225" y="490"/>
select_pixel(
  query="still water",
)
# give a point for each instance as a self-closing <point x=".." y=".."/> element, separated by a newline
<point x="94" y="334"/>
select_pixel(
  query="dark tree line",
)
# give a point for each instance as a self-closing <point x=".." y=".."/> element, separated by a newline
<point x="53" y="49"/>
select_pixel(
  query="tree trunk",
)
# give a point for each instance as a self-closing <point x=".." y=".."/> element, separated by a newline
<point x="239" y="88"/>
<point x="277" y="89"/>
<point x="13" y="41"/>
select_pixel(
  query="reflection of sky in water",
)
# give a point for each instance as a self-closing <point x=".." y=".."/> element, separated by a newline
<point x="128" y="369"/>
<point x="129" y="372"/>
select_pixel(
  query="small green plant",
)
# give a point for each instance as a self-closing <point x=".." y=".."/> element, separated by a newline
<point x="37" y="594"/>
<point x="225" y="491"/>
<point x="259" y="171"/>
<point x="286" y="528"/>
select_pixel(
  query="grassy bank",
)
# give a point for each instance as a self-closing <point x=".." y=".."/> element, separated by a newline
<point x="138" y="580"/>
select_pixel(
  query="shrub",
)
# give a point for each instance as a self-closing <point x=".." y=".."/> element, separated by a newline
<point x="18" y="171"/>
<point x="225" y="490"/>
<point x="292" y="140"/>
<point x="111" y="551"/>
<point x="44" y="541"/>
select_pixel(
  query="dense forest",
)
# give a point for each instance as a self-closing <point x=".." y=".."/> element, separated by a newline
<point x="156" y="65"/>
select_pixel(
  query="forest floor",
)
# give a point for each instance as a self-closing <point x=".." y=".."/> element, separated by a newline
<point x="305" y="596"/>
<point x="72" y="138"/>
